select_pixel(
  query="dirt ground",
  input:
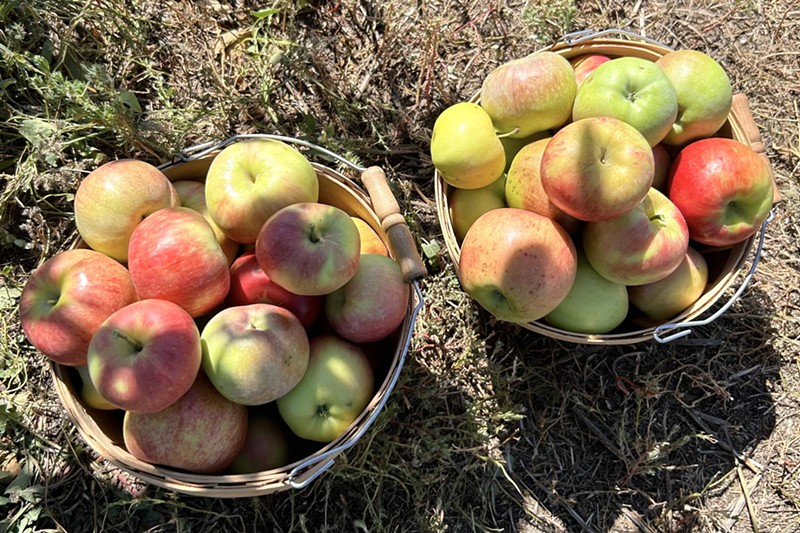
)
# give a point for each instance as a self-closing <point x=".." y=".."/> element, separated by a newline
<point x="491" y="427"/>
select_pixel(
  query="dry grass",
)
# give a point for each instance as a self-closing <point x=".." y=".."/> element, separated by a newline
<point x="491" y="428"/>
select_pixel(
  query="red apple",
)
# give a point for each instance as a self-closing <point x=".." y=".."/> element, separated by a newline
<point x="266" y="446"/>
<point x="517" y="264"/>
<point x="192" y="194"/>
<point x="661" y="164"/>
<point x="112" y="200"/>
<point x="372" y="304"/>
<point x="174" y="255"/>
<point x="723" y="188"/>
<point x="201" y="432"/>
<point x="145" y="356"/>
<point x="309" y="248"/>
<point x="597" y="168"/>
<point x="641" y="246"/>
<point x="66" y="299"/>
<point x="585" y="64"/>
<point x="250" y="285"/>
<point x="255" y="353"/>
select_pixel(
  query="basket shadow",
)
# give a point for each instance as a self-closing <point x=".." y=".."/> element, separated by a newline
<point x="619" y="438"/>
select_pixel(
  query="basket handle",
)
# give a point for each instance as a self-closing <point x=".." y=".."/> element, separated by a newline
<point x="393" y="223"/>
<point x="577" y="37"/>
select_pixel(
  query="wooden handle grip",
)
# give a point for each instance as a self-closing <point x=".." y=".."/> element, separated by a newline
<point x="740" y="108"/>
<point x="401" y="242"/>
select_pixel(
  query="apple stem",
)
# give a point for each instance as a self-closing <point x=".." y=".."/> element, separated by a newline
<point x="507" y="134"/>
<point x="136" y="345"/>
<point x="322" y="410"/>
<point x="313" y="235"/>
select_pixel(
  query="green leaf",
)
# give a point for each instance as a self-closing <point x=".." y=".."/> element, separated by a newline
<point x="265" y="13"/>
<point x="431" y="249"/>
<point x="129" y="100"/>
<point x="9" y="297"/>
<point x="36" y="130"/>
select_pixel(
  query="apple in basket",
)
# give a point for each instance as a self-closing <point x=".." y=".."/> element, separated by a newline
<point x="174" y="255"/>
<point x="641" y="246"/>
<point x="704" y="94"/>
<point x="517" y="264"/>
<point x="337" y="386"/>
<point x="266" y="446"/>
<point x="723" y="188"/>
<point x="597" y="168"/>
<point x="249" y="181"/>
<point x="255" y="353"/>
<point x="632" y="90"/>
<point x="192" y="194"/>
<point x="145" y="356"/>
<point x="372" y="304"/>
<point x="585" y="64"/>
<point x="201" y="432"/>
<point x="66" y="299"/>
<point x="309" y="248"/>
<point x="530" y="94"/>
<point x="371" y="243"/>
<point x="466" y="205"/>
<point x="250" y="285"/>
<point x="112" y="200"/>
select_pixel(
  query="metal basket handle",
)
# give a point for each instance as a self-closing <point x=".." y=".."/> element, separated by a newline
<point x="577" y="37"/>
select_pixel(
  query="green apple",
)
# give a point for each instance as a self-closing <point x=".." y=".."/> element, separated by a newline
<point x="530" y="94"/>
<point x="89" y="393"/>
<point x="371" y="242"/>
<point x="633" y="90"/>
<point x="192" y="194"/>
<point x="466" y="205"/>
<point x="524" y="186"/>
<point x="512" y="145"/>
<point x="337" y="386"/>
<point x="249" y="181"/>
<point x="112" y="200"/>
<point x="465" y="148"/>
<point x="667" y="297"/>
<point x="517" y="264"/>
<point x="704" y="94"/>
<point x="593" y="305"/>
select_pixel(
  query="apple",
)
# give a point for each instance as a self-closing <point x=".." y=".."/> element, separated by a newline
<point x="512" y="145"/>
<point x="585" y="64"/>
<point x="254" y="354"/>
<point x="723" y="188"/>
<point x="66" y="299"/>
<point x="594" y="305"/>
<point x="174" y="255"/>
<point x="337" y="386"/>
<point x="704" y="94"/>
<point x="201" y="432"/>
<point x="309" y="248"/>
<point x="89" y="394"/>
<point x="371" y="242"/>
<point x="251" y="285"/>
<point x="531" y="94"/>
<point x="145" y="356"/>
<point x="661" y="163"/>
<point x="633" y="90"/>
<point x="517" y="264"/>
<point x="667" y="297"/>
<point x="466" y="205"/>
<point x="597" y="168"/>
<point x="251" y="180"/>
<point x="641" y="246"/>
<point x="465" y="148"/>
<point x="192" y="194"/>
<point x="112" y="200"/>
<point x="266" y="446"/>
<point x="524" y="189"/>
<point x="372" y="304"/>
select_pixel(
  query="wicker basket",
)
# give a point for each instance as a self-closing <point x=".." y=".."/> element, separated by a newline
<point x="726" y="266"/>
<point x="102" y="430"/>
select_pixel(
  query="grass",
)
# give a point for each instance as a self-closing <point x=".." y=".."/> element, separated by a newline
<point x="491" y="427"/>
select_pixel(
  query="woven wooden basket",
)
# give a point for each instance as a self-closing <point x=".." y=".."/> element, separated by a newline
<point x="726" y="266"/>
<point x="102" y="430"/>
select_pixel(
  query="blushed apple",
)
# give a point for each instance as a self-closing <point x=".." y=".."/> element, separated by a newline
<point x="667" y="297"/>
<point x="251" y="180"/>
<point x="597" y="168"/>
<point x="466" y="205"/>
<point x="192" y="194"/>
<point x="254" y="354"/>
<point x="517" y="264"/>
<point x="512" y="145"/>
<point x="585" y="64"/>
<point x="372" y="304"/>
<point x="723" y="188"/>
<point x="266" y="446"/>
<point x="66" y="299"/>
<point x="202" y="432"/>
<point x="145" y="356"/>
<point x="174" y="255"/>
<point x="641" y="246"/>
<point x="309" y="248"/>
<point x="251" y="285"/>
<point x="112" y="200"/>
<point x="337" y="386"/>
<point x="661" y="163"/>
<point x="371" y="243"/>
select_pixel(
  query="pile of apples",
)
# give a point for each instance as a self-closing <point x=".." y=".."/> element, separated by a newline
<point x="587" y="191"/>
<point x="231" y="320"/>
